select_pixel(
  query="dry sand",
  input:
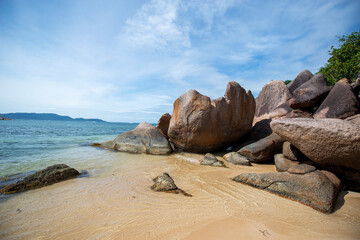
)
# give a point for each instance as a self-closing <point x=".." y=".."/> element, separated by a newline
<point x="116" y="202"/>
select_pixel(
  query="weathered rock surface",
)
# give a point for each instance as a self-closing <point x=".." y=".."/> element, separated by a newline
<point x="164" y="183"/>
<point x="163" y="124"/>
<point x="272" y="95"/>
<point x="282" y="164"/>
<point x="211" y="160"/>
<point x="354" y="119"/>
<point x="281" y="110"/>
<point x="236" y="158"/>
<point x="145" y="138"/>
<point x="314" y="189"/>
<point x="301" y="169"/>
<point x="264" y="149"/>
<point x="107" y="145"/>
<point x="311" y="93"/>
<point x="291" y="152"/>
<point x="301" y="78"/>
<point x="201" y="125"/>
<point x="44" y="177"/>
<point x="297" y="113"/>
<point x="341" y="102"/>
<point x="333" y="144"/>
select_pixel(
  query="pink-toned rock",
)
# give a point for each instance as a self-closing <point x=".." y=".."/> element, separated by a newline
<point x="272" y="95"/>
<point x="333" y="144"/>
<point x="163" y="124"/>
<point x="341" y="102"/>
<point x="201" y="125"/>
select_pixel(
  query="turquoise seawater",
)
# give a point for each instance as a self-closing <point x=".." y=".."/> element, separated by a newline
<point x="29" y="145"/>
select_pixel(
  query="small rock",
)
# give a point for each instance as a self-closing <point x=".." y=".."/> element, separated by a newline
<point x="211" y="160"/>
<point x="236" y="158"/>
<point x="165" y="183"/>
<point x="291" y="152"/>
<point x="282" y="164"/>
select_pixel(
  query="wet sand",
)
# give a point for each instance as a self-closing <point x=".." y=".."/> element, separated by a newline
<point x="115" y="202"/>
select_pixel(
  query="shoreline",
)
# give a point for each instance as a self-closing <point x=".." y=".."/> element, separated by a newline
<point x="116" y="202"/>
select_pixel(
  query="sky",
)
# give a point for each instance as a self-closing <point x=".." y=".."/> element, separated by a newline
<point x="128" y="61"/>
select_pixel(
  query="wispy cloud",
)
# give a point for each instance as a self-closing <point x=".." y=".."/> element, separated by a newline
<point x="125" y="61"/>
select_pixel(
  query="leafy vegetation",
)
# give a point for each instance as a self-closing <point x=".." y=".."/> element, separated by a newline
<point x="287" y="82"/>
<point x="344" y="61"/>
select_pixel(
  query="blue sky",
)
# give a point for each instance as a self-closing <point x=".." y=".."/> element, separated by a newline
<point x="129" y="60"/>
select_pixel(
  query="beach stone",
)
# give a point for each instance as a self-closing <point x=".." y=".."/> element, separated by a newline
<point x="272" y="95"/>
<point x="211" y="160"/>
<point x="310" y="93"/>
<point x="44" y="177"/>
<point x="301" y="78"/>
<point x="314" y="189"/>
<point x="163" y="124"/>
<point x="165" y="183"/>
<point x="341" y="102"/>
<point x="333" y="144"/>
<point x="282" y="164"/>
<point x="301" y="169"/>
<point x="236" y="158"/>
<point x="264" y="149"/>
<point x="291" y="152"/>
<point x="201" y="125"/>
<point x="145" y="138"/>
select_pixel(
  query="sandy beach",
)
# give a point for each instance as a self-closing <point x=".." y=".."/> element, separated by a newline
<point x="115" y="202"/>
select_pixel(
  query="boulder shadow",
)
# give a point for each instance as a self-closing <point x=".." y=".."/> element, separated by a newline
<point x="340" y="201"/>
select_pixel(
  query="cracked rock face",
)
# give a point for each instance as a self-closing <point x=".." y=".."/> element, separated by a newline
<point x="333" y="144"/>
<point x="317" y="189"/>
<point x="199" y="124"/>
<point x="145" y="138"/>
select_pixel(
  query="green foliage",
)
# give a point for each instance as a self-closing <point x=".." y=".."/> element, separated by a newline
<point x="344" y="62"/>
<point x="287" y="82"/>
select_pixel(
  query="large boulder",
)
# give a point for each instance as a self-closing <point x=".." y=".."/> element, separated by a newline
<point x="163" y="124"/>
<point x="264" y="149"/>
<point x="272" y="95"/>
<point x="354" y="119"/>
<point x="145" y="138"/>
<point x="341" y="102"/>
<point x="44" y="177"/>
<point x="311" y="93"/>
<point x="317" y="189"/>
<point x="301" y="78"/>
<point x="333" y="144"/>
<point x="201" y="125"/>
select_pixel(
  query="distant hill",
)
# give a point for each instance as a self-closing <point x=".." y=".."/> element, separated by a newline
<point x="45" y="116"/>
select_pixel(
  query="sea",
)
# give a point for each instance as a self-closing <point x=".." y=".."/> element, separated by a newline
<point x="30" y="145"/>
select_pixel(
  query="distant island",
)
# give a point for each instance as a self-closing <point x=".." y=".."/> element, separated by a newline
<point x="44" y="116"/>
